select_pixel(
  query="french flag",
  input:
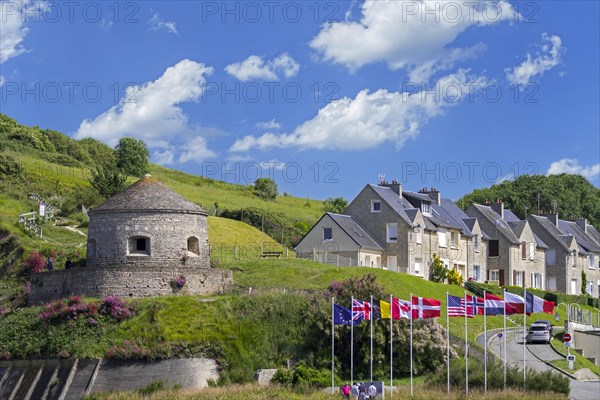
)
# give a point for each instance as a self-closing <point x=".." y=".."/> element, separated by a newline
<point x="515" y="304"/>
<point x="537" y="304"/>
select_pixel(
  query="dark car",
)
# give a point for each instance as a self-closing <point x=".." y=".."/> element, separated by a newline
<point x="545" y="322"/>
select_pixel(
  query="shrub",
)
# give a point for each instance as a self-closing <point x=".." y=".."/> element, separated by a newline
<point x="34" y="263"/>
<point x="454" y="277"/>
<point x="283" y="376"/>
<point x="116" y="308"/>
<point x="307" y="376"/>
<point x="438" y="271"/>
<point x="153" y="387"/>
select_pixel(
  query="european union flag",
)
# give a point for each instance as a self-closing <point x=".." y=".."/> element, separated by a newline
<point x="343" y="316"/>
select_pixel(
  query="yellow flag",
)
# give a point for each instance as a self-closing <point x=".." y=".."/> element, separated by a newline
<point x="386" y="309"/>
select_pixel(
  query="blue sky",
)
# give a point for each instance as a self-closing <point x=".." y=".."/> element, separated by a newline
<point x="321" y="96"/>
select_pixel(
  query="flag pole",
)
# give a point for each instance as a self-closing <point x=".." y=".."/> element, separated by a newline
<point x="524" y="335"/>
<point x="504" y="336"/>
<point x="411" y="357"/>
<point x="352" y="342"/>
<point x="485" y="342"/>
<point x="332" y="345"/>
<point x="371" y="355"/>
<point x="448" y="344"/>
<point x="467" y="349"/>
<point x="391" y="345"/>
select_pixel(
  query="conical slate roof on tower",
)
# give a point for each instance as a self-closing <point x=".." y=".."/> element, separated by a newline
<point x="148" y="194"/>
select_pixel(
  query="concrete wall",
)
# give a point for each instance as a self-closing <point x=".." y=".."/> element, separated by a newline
<point x="589" y="342"/>
<point x="128" y="281"/>
<point x="109" y="234"/>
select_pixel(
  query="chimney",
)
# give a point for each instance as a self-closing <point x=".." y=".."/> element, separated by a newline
<point x="498" y="206"/>
<point x="395" y="186"/>
<point x="582" y="223"/>
<point x="552" y="218"/>
<point x="435" y="195"/>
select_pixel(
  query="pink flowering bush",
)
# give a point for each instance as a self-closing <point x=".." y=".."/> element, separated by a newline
<point x="34" y="263"/>
<point x="67" y="309"/>
<point x="116" y="308"/>
<point x="180" y="281"/>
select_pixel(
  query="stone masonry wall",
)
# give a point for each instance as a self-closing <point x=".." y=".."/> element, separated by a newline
<point x="128" y="281"/>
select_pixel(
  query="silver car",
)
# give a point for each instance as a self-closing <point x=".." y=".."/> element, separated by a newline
<point x="538" y="333"/>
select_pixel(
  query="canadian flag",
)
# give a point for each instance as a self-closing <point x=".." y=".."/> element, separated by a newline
<point x="400" y="309"/>
<point x="425" y="308"/>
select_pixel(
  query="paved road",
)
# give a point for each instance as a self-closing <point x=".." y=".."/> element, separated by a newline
<point x="514" y="355"/>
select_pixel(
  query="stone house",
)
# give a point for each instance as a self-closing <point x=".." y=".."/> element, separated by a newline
<point x="515" y="256"/>
<point x="340" y="240"/>
<point x="572" y="251"/>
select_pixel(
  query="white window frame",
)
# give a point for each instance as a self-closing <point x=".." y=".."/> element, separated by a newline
<point x="425" y="208"/>
<point x="532" y="251"/>
<point x="591" y="261"/>
<point x="476" y="243"/>
<point x="518" y="279"/>
<point x="388" y="236"/>
<point x="442" y="234"/>
<point x="536" y="280"/>
<point x="495" y="275"/>
<point x="373" y="210"/>
<point x="477" y="272"/>
<point x="417" y="266"/>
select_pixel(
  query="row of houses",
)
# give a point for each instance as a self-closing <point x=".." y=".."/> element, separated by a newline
<point x="390" y="228"/>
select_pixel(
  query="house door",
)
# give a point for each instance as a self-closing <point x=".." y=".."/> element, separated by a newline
<point x="551" y="283"/>
<point x="573" y="286"/>
<point x="392" y="263"/>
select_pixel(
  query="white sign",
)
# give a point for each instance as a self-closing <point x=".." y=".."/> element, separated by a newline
<point x="567" y="344"/>
<point x="42" y="209"/>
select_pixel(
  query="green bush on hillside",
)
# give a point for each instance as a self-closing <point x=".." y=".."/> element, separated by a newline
<point x="10" y="169"/>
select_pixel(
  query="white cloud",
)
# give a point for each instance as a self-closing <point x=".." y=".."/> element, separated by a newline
<point x="152" y="112"/>
<point x="13" y="29"/>
<point x="2" y="80"/>
<point x="157" y="24"/>
<point x="571" y="166"/>
<point x="196" y="150"/>
<point x="254" y="67"/>
<point x="163" y="157"/>
<point x="370" y="119"/>
<point x="548" y="57"/>
<point x="272" y="124"/>
<point x="272" y="165"/>
<point x="408" y="34"/>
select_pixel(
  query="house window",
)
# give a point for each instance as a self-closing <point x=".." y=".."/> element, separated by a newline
<point x="477" y="273"/>
<point x="193" y="245"/>
<point x="536" y="281"/>
<point x="327" y="233"/>
<point x="426" y="208"/>
<point x="139" y="245"/>
<point x="532" y="251"/>
<point x="453" y="239"/>
<point x="392" y="232"/>
<point x="495" y="275"/>
<point x="590" y="288"/>
<point x="592" y="261"/>
<point x="418" y="263"/>
<point x="476" y="242"/>
<point x="517" y="278"/>
<point x="493" y="248"/>
<point x="375" y="206"/>
<point x="442" y="238"/>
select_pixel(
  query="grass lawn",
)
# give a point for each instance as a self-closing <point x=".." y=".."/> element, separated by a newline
<point x="580" y="361"/>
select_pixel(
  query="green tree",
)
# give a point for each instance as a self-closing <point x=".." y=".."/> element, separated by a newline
<point x="583" y="283"/>
<point x="265" y="188"/>
<point x="107" y="178"/>
<point x="335" y="205"/>
<point x="132" y="156"/>
<point x="438" y="272"/>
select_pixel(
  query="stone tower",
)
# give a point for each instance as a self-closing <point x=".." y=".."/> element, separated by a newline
<point x="148" y="224"/>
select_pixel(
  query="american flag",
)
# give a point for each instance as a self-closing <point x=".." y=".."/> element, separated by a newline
<point x="456" y="306"/>
<point x="361" y="309"/>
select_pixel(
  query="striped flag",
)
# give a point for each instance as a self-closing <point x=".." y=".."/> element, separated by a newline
<point x="456" y="306"/>
<point x="361" y="309"/>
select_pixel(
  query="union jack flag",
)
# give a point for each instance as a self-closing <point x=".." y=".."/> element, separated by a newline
<point x="361" y="310"/>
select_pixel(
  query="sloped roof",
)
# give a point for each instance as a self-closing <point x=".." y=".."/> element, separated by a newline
<point x="453" y="215"/>
<point x="148" y="194"/>
<point x="593" y="233"/>
<point x="412" y="213"/>
<point x="397" y="203"/>
<point x="539" y="222"/>
<point x="540" y="243"/>
<point x="418" y="196"/>
<point x="571" y="228"/>
<point x="469" y="222"/>
<point x="510" y="216"/>
<point x="501" y="226"/>
<point x="517" y="227"/>
<point x="355" y="231"/>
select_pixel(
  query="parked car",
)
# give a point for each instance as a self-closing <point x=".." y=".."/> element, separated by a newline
<point x="546" y="322"/>
<point x="538" y="333"/>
